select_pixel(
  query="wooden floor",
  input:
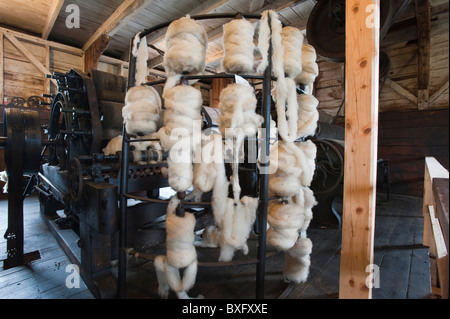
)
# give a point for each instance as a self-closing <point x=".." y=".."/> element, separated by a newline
<point x="402" y="260"/>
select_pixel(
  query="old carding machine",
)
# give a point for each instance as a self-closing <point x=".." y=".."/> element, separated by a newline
<point x="73" y="176"/>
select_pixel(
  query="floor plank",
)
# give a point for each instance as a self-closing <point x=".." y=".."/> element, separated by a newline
<point x="403" y="262"/>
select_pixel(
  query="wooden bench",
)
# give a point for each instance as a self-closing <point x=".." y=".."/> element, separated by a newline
<point x="435" y="231"/>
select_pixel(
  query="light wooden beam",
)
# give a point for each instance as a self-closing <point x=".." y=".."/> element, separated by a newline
<point x="51" y="18"/>
<point x="118" y="19"/>
<point x="27" y="54"/>
<point x="361" y="133"/>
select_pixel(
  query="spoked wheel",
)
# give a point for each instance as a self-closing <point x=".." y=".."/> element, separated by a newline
<point x="329" y="170"/>
<point x="58" y="122"/>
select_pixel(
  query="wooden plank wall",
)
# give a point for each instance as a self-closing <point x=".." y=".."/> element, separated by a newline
<point x="22" y="79"/>
<point x="405" y="138"/>
<point x="406" y="134"/>
<point x="403" y="57"/>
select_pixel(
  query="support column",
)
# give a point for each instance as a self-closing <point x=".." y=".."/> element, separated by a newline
<point x="361" y="133"/>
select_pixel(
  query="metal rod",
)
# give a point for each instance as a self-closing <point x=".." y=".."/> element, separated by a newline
<point x="122" y="271"/>
<point x="264" y="180"/>
<point x="206" y="264"/>
<point x="163" y="201"/>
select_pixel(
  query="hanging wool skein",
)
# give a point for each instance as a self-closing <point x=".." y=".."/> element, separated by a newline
<point x="292" y="40"/>
<point x="233" y="220"/>
<point x="237" y="120"/>
<point x="233" y="217"/>
<point x="141" y="111"/>
<point x="284" y="93"/>
<point x="238" y="47"/>
<point x="310" y="69"/>
<point x="180" y="254"/>
<point x="186" y="43"/>
<point x="290" y="216"/>
<point x="183" y="103"/>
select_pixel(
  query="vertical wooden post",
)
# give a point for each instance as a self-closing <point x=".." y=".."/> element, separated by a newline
<point x="361" y="133"/>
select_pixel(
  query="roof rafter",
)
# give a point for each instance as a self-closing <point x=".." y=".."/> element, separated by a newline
<point x="51" y="18"/>
<point x="118" y="19"/>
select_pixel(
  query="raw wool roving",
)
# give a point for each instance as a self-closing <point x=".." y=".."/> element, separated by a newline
<point x="113" y="146"/>
<point x="205" y="171"/>
<point x="290" y="216"/>
<point x="180" y="254"/>
<point x="186" y="44"/>
<point x="183" y="103"/>
<point x="292" y="39"/>
<point x="238" y="119"/>
<point x="284" y="93"/>
<point x="297" y="261"/>
<point x="141" y="111"/>
<point x="4" y="178"/>
<point x="294" y="168"/>
<point x="308" y="115"/>
<point x="233" y="220"/>
<point x="310" y="69"/>
<point x="238" y="47"/>
<point x="141" y="60"/>
<point x="285" y="220"/>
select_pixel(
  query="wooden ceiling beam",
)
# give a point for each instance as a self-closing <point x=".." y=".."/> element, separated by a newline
<point x="51" y="18"/>
<point x="117" y="20"/>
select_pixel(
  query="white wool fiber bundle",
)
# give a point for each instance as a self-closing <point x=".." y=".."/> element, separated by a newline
<point x="181" y="254"/>
<point x="205" y="171"/>
<point x="284" y="93"/>
<point x="238" y="47"/>
<point x="183" y="104"/>
<point x="306" y="199"/>
<point x="292" y="39"/>
<point x="237" y="105"/>
<point x="238" y="119"/>
<point x="236" y="226"/>
<point x="186" y="43"/>
<point x="287" y="109"/>
<point x="308" y="115"/>
<point x="285" y="221"/>
<point x="141" y="62"/>
<point x="4" y="178"/>
<point x="180" y="236"/>
<point x="113" y="146"/>
<point x="182" y="113"/>
<point x="310" y="69"/>
<point x="294" y="163"/>
<point x="141" y="111"/>
<point x="297" y="261"/>
<point x="306" y="160"/>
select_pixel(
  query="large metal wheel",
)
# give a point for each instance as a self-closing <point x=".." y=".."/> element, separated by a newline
<point x="22" y="130"/>
<point x="326" y="27"/>
<point x="329" y="171"/>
